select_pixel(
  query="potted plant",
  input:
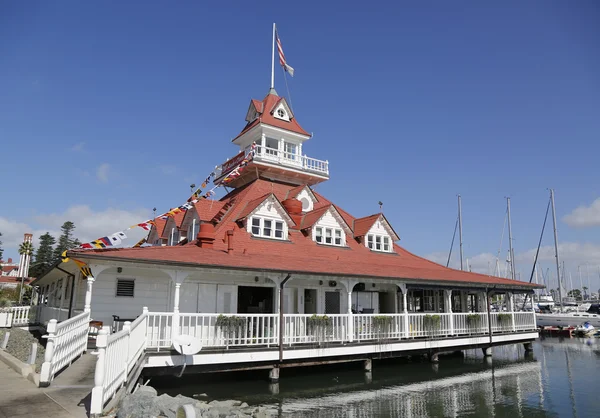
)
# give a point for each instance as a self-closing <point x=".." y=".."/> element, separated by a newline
<point x="473" y="321"/>
<point x="230" y="325"/>
<point x="432" y="323"/>
<point x="318" y="325"/>
<point x="504" y="319"/>
<point x="5" y="313"/>
<point x="382" y="325"/>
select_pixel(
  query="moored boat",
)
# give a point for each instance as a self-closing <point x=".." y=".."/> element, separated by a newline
<point x="585" y="329"/>
<point x="592" y="316"/>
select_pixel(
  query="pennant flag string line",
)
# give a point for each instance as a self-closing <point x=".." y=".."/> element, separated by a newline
<point x="118" y="237"/>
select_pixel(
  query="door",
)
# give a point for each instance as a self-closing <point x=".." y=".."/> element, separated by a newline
<point x="310" y="301"/>
<point x="332" y="302"/>
<point x="207" y="298"/>
<point x="226" y="298"/>
<point x="188" y="298"/>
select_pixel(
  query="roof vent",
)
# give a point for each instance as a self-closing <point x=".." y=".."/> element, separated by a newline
<point x="206" y="235"/>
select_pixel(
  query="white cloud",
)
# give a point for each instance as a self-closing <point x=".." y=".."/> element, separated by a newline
<point x="584" y="216"/>
<point x="573" y="254"/>
<point x="78" y="147"/>
<point x="89" y="225"/>
<point x="102" y="172"/>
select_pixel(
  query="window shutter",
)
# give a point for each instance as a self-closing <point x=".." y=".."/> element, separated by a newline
<point x="125" y="287"/>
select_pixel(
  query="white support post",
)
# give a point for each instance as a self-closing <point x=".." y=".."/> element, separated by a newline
<point x="405" y="310"/>
<point x="176" y="311"/>
<point x="448" y="308"/>
<point x="88" y="294"/>
<point x="350" y="317"/>
<point x="127" y="329"/>
<point x="46" y="370"/>
<point x="63" y="295"/>
<point x="97" y="402"/>
<point x="511" y="309"/>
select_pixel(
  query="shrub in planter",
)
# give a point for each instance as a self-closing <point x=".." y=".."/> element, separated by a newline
<point x="382" y="324"/>
<point x="473" y="320"/>
<point x="318" y="326"/>
<point x="230" y="324"/>
<point x="504" y="318"/>
<point x="432" y="322"/>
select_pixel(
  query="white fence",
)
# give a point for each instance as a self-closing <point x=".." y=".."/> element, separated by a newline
<point x="21" y="315"/>
<point x="118" y="354"/>
<point x="234" y="330"/>
<point x="66" y="341"/>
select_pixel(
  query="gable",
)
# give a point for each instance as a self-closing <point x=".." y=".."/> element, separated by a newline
<point x="307" y="198"/>
<point x="382" y="227"/>
<point x="271" y="208"/>
<point x="332" y="219"/>
<point x="282" y="111"/>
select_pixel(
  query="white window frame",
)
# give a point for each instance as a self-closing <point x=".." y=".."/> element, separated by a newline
<point x="174" y="236"/>
<point x="193" y="230"/>
<point x="379" y="242"/>
<point x="264" y="224"/>
<point x="330" y="233"/>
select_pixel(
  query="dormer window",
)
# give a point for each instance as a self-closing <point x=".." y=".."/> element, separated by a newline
<point x="281" y="113"/>
<point x="378" y="242"/>
<point x="267" y="228"/>
<point x="329" y="236"/>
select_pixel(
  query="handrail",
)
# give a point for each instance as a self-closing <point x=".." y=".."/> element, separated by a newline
<point x="67" y="340"/>
<point x="117" y="355"/>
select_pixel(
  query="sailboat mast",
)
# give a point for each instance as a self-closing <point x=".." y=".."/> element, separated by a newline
<point x="460" y="237"/>
<point x="510" y="240"/>
<point x="556" y="249"/>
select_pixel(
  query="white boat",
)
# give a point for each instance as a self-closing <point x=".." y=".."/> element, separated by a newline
<point x="573" y="319"/>
<point x="545" y="301"/>
<point x="585" y="329"/>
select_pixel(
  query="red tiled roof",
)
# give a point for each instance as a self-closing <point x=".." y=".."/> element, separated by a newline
<point x="300" y="254"/>
<point x="160" y="227"/>
<point x="208" y="208"/>
<point x="8" y="269"/>
<point x="15" y="280"/>
<point x="250" y="206"/>
<point x="310" y="218"/>
<point x="266" y="117"/>
<point x="362" y="225"/>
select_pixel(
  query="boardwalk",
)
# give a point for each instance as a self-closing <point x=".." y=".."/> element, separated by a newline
<point x="67" y="397"/>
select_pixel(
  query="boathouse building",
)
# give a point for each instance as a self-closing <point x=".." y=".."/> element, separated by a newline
<point x="273" y="274"/>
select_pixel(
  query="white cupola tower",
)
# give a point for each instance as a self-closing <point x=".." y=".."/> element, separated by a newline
<point x="279" y="138"/>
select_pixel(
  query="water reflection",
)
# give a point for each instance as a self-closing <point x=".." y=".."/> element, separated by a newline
<point x="558" y="380"/>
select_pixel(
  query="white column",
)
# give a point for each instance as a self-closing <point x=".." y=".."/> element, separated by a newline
<point x="87" y="307"/>
<point x="97" y="401"/>
<point x="405" y="310"/>
<point x="263" y="144"/>
<point x="350" y="316"/>
<point x="448" y="308"/>
<point x="63" y="294"/>
<point x="510" y="308"/>
<point x="176" y="311"/>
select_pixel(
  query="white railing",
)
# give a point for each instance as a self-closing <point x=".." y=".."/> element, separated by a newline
<point x="525" y="321"/>
<point x="46" y="313"/>
<point x="307" y="328"/>
<point x="292" y="159"/>
<point x="66" y="341"/>
<point x="230" y="330"/>
<point x="502" y="321"/>
<point x="21" y="315"/>
<point x="470" y="323"/>
<point x="118" y="354"/>
<point x="378" y="327"/>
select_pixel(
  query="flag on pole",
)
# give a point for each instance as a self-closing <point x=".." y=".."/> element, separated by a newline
<point x="282" y="60"/>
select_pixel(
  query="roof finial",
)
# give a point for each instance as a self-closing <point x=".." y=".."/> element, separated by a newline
<point x="380" y="206"/>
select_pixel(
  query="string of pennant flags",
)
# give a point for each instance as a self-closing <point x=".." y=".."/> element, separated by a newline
<point x="118" y="237"/>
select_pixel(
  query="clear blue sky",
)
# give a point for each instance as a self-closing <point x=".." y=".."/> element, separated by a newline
<point x="121" y="106"/>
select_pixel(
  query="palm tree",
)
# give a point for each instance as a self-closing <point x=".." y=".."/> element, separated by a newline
<point x="26" y="248"/>
<point x="585" y="292"/>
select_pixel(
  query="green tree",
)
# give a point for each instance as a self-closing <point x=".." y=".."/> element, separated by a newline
<point x="44" y="256"/>
<point x="575" y="293"/>
<point x="66" y="241"/>
<point x="585" y="292"/>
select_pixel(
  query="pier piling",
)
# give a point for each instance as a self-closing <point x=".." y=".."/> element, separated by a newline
<point x="274" y="375"/>
<point x="487" y="351"/>
<point x="368" y="365"/>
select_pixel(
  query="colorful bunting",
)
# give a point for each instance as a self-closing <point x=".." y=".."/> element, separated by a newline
<point x="118" y="237"/>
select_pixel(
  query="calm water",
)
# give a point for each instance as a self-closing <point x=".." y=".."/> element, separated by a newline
<point x="560" y="379"/>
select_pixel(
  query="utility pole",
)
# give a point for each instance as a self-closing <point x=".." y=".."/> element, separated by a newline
<point x="556" y="249"/>
<point x="460" y="232"/>
<point x="510" y="240"/>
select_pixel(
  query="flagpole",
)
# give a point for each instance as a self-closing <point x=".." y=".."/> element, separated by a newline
<point x="273" y="60"/>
